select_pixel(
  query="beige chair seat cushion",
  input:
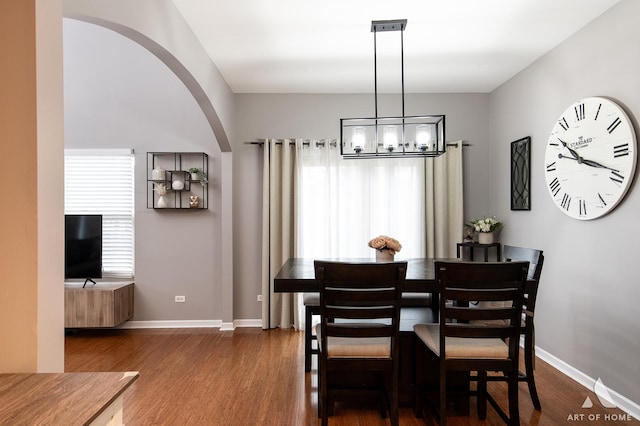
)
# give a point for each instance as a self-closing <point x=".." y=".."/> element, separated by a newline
<point x="311" y="299"/>
<point x="458" y="347"/>
<point x="360" y="347"/>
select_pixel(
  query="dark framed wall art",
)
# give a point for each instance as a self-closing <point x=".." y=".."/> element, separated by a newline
<point x="521" y="174"/>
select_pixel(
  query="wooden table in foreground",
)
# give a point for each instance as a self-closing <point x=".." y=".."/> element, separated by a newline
<point x="63" y="398"/>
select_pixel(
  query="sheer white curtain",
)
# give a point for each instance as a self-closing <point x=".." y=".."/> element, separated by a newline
<point x="342" y="204"/>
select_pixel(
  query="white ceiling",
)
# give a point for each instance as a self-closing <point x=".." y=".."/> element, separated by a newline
<point x="303" y="46"/>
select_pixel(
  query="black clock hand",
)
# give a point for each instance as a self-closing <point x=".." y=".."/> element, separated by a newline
<point x="574" y="153"/>
<point x="590" y="163"/>
<point x="578" y="159"/>
<point x="594" y="164"/>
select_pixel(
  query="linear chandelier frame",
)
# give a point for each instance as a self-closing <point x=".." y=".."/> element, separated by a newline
<point x="392" y="137"/>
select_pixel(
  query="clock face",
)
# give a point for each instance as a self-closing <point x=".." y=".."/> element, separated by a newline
<point x="590" y="159"/>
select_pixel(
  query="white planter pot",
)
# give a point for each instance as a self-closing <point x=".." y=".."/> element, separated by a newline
<point x="485" y="237"/>
<point x="384" y="256"/>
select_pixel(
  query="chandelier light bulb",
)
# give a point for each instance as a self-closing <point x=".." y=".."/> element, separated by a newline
<point x="390" y="137"/>
<point x="423" y="136"/>
<point x="358" y="138"/>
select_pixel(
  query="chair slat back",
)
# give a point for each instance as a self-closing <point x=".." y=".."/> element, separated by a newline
<point x="536" y="260"/>
<point x="464" y="282"/>
<point x="360" y="300"/>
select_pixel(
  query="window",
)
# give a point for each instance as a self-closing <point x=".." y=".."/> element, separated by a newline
<point x="342" y="204"/>
<point x="102" y="182"/>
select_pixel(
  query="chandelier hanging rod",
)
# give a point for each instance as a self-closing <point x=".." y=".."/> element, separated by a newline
<point x="387" y="25"/>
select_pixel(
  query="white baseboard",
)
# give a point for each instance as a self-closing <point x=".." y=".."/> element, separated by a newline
<point x="173" y="324"/>
<point x="223" y="326"/>
<point x="248" y="323"/>
<point x="622" y="402"/>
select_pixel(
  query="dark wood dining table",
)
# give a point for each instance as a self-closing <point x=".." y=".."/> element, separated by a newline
<point x="297" y="275"/>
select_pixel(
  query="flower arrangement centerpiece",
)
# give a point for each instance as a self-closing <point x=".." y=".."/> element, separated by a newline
<point x="386" y="247"/>
<point x="485" y="228"/>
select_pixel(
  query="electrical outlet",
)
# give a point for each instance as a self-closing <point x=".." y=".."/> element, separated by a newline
<point x="181" y="299"/>
<point x="259" y="298"/>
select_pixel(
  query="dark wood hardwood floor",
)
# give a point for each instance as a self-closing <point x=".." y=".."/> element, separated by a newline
<point x="256" y="377"/>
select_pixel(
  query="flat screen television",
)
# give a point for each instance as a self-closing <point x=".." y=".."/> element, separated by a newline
<point x="83" y="247"/>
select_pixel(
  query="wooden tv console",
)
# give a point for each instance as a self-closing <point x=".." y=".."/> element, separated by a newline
<point x="97" y="305"/>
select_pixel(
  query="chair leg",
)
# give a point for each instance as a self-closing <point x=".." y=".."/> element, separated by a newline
<point x="307" y="338"/>
<point x="514" y="409"/>
<point x="529" y="359"/>
<point x="393" y="409"/>
<point x="323" y="400"/>
<point x="417" y="391"/>
<point x="443" y="396"/>
<point x="482" y="395"/>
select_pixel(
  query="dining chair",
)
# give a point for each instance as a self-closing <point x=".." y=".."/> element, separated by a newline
<point x="535" y="259"/>
<point x="459" y="343"/>
<point x="358" y="334"/>
<point x="311" y="303"/>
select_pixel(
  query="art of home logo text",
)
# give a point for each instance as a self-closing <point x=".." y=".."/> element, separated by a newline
<point x="606" y="401"/>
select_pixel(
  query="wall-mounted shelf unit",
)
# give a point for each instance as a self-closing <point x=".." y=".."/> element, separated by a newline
<point x="171" y="171"/>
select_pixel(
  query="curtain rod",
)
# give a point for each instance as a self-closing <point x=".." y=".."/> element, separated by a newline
<point x="334" y="143"/>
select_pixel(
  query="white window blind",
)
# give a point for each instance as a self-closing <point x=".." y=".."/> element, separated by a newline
<point x="102" y="182"/>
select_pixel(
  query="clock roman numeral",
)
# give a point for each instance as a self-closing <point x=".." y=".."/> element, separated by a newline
<point x="583" y="208"/>
<point x="579" y="109"/>
<point x="613" y="125"/>
<point x="563" y="123"/>
<point x="555" y="186"/>
<point x="566" y="201"/>
<point x="604" y="203"/>
<point x="616" y="177"/>
<point x="620" y="150"/>
<point x="551" y="167"/>
<point x="597" y="112"/>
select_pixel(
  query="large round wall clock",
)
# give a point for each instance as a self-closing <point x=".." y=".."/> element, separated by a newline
<point x="591" y="158"/>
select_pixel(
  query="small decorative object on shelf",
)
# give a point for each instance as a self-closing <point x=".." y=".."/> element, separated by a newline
<point x="386" y="248"/>
<point x="198" y="174"/>
<point x="177" y="185"/>
<point x="161" y="190"/>
<point x="486" y="228"/>
<point x="158" y="174"/>
<point x="194" y="201"/>
<point x="468" y="234"/>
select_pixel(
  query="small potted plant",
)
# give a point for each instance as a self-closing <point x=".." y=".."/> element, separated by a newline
<point x="198" y="174"/>
<point x="485" y="227"/>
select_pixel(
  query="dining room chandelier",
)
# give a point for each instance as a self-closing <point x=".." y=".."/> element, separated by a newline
<point x="392" y="137"/>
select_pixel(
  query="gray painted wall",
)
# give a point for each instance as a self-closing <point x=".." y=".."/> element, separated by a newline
<point x="119" y="95"/>
<point x="588" y="300"/>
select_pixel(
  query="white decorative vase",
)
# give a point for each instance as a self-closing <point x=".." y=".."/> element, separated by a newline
<point x="485" y="237"/>
<point x="162" y="203"/>
<point x="384" y="256"/>
<point x="158" y="174"/>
